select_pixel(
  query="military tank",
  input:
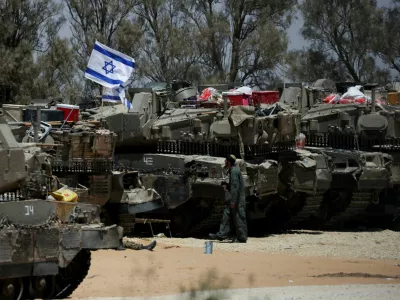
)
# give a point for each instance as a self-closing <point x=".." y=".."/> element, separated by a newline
<point x="45" y="244"/>
<point x="82" y="156"/>
<point x="368" y="129"/>
<point x="85" y="160"/>
<point x="179" y="151"/>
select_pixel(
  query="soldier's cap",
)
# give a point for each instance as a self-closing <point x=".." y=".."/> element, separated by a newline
<point x="231" y="158"/>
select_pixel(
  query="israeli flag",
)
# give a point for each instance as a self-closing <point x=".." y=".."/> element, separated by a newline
<point x="127" y="103"/>
<point x="115" y="96"/>
<point x="109" y="67"/>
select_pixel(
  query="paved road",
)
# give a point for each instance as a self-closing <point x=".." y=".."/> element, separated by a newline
<point x="338" y="292"/>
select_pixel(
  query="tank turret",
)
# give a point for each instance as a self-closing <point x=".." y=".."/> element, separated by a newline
<point x="12" y="159"/>
<point x="360" y="134"/>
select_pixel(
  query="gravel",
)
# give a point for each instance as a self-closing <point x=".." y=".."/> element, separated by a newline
<point x="368" y="244"/>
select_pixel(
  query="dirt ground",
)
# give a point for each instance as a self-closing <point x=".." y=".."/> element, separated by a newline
<point x="178" y="265"/>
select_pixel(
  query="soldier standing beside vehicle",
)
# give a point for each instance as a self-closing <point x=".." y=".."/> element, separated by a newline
<point x="235" y="211"/>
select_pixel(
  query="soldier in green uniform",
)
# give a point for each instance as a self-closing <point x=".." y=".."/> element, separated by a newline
<point x="235" y="211"/>
<point x="135" y="246"/>
<point x="129" y="244"/>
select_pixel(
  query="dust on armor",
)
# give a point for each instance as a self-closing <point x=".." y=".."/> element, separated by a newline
<point x="45" y="244"/>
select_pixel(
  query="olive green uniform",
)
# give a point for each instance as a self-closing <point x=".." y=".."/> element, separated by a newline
<point x="129" y="244"/>
<point x="235" y="215"/>
<point x="132" y="245"/>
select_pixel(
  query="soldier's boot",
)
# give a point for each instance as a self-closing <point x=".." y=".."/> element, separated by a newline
<point x="150" y="246"/>
<point x="121" y="246"/>
<point x="216" y="237"/>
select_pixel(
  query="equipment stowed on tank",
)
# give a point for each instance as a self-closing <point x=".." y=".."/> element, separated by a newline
<point x="362" y="142"/>
<point x="87" y="158"/>
<point x="180" y="152"/>
<point x="45" y="243"/>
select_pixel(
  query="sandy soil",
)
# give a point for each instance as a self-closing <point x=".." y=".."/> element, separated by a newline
<point x="379" y="244"/>
<point x="180" y="265"/>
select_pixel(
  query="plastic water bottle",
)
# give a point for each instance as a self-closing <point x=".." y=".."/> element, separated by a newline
<point x="208" y="247"/>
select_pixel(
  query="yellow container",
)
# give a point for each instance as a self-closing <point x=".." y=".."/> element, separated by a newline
<point x="393" y="98"/>
<point x="65" y="195"/>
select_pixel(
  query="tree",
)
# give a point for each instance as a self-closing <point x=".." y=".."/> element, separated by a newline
<point x="107" y="21"/>
<point x="241" y="40"/>
<point x="249" y="21"/>
<point x="169" y="50"/>
<point x="97" y="20"/>
<point x="55" y="71"/>
<point x="308" y="65"/>
<point x="345" y="29"/>
<point x="387" y="44"/>
<point x="213" y="36"/>
<point x="26" y="27"/>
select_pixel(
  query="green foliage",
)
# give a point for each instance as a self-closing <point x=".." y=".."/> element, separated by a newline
<point x="169" y="42"/>
<point x="387" y="44"/>
<point x="106" y="21"/>
<point x="27" y="28"/>
<point x="345" y="30"/>
<point x="239" y="40"/>
<point x="214" y="41"/>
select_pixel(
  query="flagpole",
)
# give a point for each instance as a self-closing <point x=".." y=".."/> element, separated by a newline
<point x="101" y="109"/>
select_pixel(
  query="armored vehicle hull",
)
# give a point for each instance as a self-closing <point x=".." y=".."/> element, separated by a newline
<point x="179" y="151"/>
<point x="46" y="246"/>
<point x="45" y="243"/>
<point x="369" y="128"/>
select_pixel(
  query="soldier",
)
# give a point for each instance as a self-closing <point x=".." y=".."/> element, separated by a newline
<point x="124" y="243"/>
<point x="136" y="246"/>
<point x="235" y="211"/>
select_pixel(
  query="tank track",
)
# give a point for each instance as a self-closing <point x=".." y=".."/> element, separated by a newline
<point x="356" y="209"/>
<point x="310" y="208"/>
<point x="77" y="271"/>
<point x="212" y="220"/>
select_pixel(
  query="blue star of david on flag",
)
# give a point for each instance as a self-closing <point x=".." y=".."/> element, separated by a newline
<point x="108" y="67"/>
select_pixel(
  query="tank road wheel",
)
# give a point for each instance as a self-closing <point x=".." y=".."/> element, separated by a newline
<point x="11" y="289"/>
<point x="41" y="287"/>
<point x="70" y="278"/>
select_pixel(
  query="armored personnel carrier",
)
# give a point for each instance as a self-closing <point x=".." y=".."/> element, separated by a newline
<point x="45" y="243"/>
